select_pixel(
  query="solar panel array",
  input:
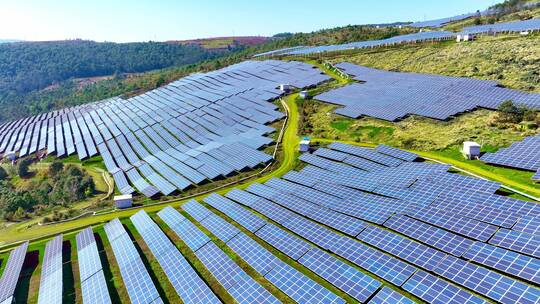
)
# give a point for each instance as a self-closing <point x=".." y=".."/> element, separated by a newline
<point x="173" y="137"/>
<point x="135" y="276"/>
<point x="92" y="277"/>
<point x="50" y="287"/>
<point x="188" y="285"/>
<point x="523" y="155"/>
<point x="413" y="229"/>
<point x="235" y="280"/>
<point x="10" y="275"/>
<point x="422" y="36"/>
<point x="395" y="95"/>
<point x="426" y="237"/>
<point x="436" y="23"/>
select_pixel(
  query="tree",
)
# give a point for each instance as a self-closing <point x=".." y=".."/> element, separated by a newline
<point x="23" y="168"/>
<point x="3" y="173"/>
<point x="510" y="113"/>
<point x="55" y="168"/>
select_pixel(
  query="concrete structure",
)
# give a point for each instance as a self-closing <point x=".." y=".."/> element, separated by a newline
<point x="464" y="37"/>
<point x="285" y="87"/>
<point x="123" y="201"/>
<point x="304" y="145"/>
<point x="304" y="95"/>
<point x="471" y="150"/>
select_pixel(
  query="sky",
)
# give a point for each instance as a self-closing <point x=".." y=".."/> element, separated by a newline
<point x="161" y="20"/>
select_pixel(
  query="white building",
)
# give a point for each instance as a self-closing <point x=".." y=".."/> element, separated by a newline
<point x="304" y="145"/>
<point x="285" y="87"/>
<point x="471" y="149"/>
<point x="304" y="95"/>
<point x="123" y="201"/>
<point x="464" y="37"/>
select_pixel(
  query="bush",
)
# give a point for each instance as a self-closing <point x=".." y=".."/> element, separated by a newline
<point x="55" y="168"/>
<point x="23" y="168"/>
<point x="3" y="174"/>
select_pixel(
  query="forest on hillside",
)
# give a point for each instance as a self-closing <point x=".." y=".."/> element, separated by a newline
<point x="27" y="68"/>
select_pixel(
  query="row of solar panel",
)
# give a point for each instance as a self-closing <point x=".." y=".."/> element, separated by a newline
<point x="394" y="95"/>
<point x="422" y="36"/>
<point x="174" y="136"/>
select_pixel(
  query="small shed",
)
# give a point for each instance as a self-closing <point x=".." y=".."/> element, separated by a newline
<point x="471" y="149"/>
<point x="123" y="201"/>
<point x="304" y="95"/>
<point x="464" y="37"/>
<point x="304" y="145"/>
<point x="11" y="156"/>
<point x="524" y="33"/>
<point x="285" y="87"/>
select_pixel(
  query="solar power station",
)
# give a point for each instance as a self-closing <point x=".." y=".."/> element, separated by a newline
<point x="378" y="225"/>
<point x="422" y="36"/>
<point x="395" y="95"/>
<point x="523" y="155"/>
<point x="170" y="138"/>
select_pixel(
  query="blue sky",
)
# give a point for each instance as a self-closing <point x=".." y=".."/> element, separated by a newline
<point x="159" y="20"/>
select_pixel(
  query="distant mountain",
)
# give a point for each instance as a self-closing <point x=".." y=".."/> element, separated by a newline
<point x="9" y="40"/>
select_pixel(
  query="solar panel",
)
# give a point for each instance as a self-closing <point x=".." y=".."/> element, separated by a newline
<point x="340" y="274"/>
<point x="11" y="273"/>
<point x="240" y="215"/>
<point x="387" y="296"/>
<point x="528" y="224"/>
<point x="93" y="286"/>
<point x="285" y="242"/>
<point x="186" y="230"/>
<point x="412" y="252"/>
<point x="430" y="235"/>
<point x="50" y="287"/>
<point x="434" y="290"/>
<point x="517" y="241"/>
<point x="397" y="153"/>
<point x="486" y="282"/>
<point x="135" y="276"/>
<point x="240" y="285"/>
<point x="185" y="280"/>
<point x="507" y="261"/>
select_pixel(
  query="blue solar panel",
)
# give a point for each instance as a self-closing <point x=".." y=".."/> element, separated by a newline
<point x="431" y="235"/>
<point x="528" y="224"/>
<point x="486" y="282"/>
<point x="188" y="285"/>
<point x="93" y="285"/>
<point x="186" y="230"/>
<point x="11" y="273"/>
<point x="397" y="153"/>
<point x="507" y="261"/>
<point x="412" y="252"/>
<point x="517" y="241"/>
<point x="242" y="216"/>
<point x="240" y="285"/>
<point x="135" y="276"/>
<point x="389" y="296"/>
<point x="50" y="287"/>
<point x="434" y="290"/>
<point x="340" y="274"/>
<point x="287" y="243"/>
